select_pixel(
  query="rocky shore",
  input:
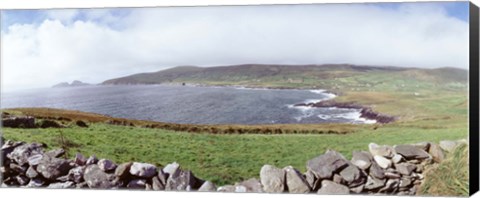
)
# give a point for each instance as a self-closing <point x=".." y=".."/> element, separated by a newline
<point x="365" y="112"/>
<point x="382" y="169"/>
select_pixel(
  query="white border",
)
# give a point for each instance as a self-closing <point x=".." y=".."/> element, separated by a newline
<point x="43" y="4"/>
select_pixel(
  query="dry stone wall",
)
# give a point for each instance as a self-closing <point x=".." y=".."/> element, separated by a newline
<point x="382" y="169"/>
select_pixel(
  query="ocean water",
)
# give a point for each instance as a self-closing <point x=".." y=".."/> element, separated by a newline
<point x="188" y="104"/>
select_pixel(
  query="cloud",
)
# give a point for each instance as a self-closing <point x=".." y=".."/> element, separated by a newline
<point x="95" y="45"/>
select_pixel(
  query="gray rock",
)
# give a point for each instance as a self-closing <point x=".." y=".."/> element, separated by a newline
<point x="21" y="153"/>
<point x="96" y="178"/>
<point x="374" y="183"/>
<point x="405" y="168"/>
<point x="156" y="184"/>
<point x="325" y="165"/>
<point x="22" y="180"/>
<point x="312" y="180"/>
<point x="31" y="172"/>
<point x="182" y="180"/>
<point x="51" y="168"/>
<point x="422" y="145"/>
<point x="55" y="153"/>
<point x="143" y="170"/>
<point x="76" y="174"/>
<point x="397" y="158"/>
<point x="226" y="188"/>
<point x="338" y="179"/>
<point x="106" y="165"/>
<point x="272" y="179"/>
<point x="411" y="152"/>
<point x="382" y="161"/>
<point x="357" y="189"/>
<point x="295" y="181"/>
<point x="172" y="168"/>
<point x="392" y="175"/>
<point x="329" y="188"/>
<point x="137" y="184"/>
<point x="18" y="169"/>
<point x="252" y="185"/>
<point x="59" y="185"/>
<point x="384" y="151"/>
<point x="448" y="145"/>
<point x="207" y="187"/>
<point x="91" y="160"/>
<point x="80" y="159"/>
<point x="148" y="186"/>
<point x="405" y="182"/>
<point x="390" y="185"/>
<point x="35" y="183"/>
<point x="362" y="159"/>
<point x="81" y="185"/>
<point x="35" y="159"/>
<point x="436" y="152"/>
<point x="123" y="170"/>
<point x="352" y="175"/>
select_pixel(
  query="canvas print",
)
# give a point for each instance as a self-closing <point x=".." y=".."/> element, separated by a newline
<point x="308" y="98"/>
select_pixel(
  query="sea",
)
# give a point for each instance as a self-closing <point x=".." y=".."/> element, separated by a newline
<point x="189" y="104"/>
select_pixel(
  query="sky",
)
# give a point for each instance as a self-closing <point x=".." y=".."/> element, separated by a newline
<point x="41" y="48"/>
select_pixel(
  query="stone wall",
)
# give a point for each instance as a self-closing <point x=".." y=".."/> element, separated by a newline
<point x="381" y="170"/>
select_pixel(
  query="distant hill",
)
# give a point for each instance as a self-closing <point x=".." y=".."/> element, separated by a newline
<point x="254" y="73"/>
<point x="75" y="83"/>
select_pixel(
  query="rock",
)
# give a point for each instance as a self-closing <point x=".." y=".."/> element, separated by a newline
<point x="143" y="170"/>
<point x="182" y="180"/>
<point x="272" y="179"/>
<point x="357" y="189"/>
<point x="382" y="161"/>
<point x="405" y="183"/>
<point x="329" y="188"/>
<point x="325" y="165"/>
<point x="35" y="183"/>
<point x="352" y="176"/>
<point x="31" y="172"/>
<point x="106" y="165"/>
<point x="18" y="169"/>
<point x="227" y="188"/>
<point x="251" y="185"/>
<point x="384" y="151"/>
<point x="148" y="186"/>
<point x="392" y="175"/>
<point x="405" y="168"/>
<point x="376" y="171"/>
<point x="172" y="168"/>
<point x="137" y="184"/>
<point x="21" y="153"/>
<point x="374" y="183"/>
<point x="76" y="174"/>
<point x="411" y="152"/>
<point x="157" y="184"/>
<point x="91" y="160"/>
<point x="80" y="159"/>
<point x="67" y="184"/>
<point x="51" y="168"/>
<point x="34" y="159"/>
<point x="397" y="158"/>
<point x="338" y="179"/>
<point x="448" y="145"/>
<point x="207" y="187"/>
<point x="390" y="185"/>
<point x="295" y="182"/>
<point x="55" y="153"/>
<point x="81" y="185"/>
<point x="422" y="145"/>
<point x="362" y="159"/>
<point x="436" y="152"/>
<point x="22" y="180"/>
<point x="123" y="170"/>
<point x="96" y="178"/>
<point x="312" y="180"/>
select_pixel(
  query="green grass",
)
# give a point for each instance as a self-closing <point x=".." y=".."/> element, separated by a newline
<point x="223" y="159"/>
<point x="450" y="177"/>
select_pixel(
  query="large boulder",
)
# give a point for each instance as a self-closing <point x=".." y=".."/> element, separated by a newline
<point x="295" y="181"/>
<point x="324" y="166"/>
<point x="362" y="159"/>
<point x="51" y="168"/>
<point x="272" y="179"/>
<point x="96" y="177"/>
<point x="330" y="187"/>
<point x="143" y="170"/>
<point x="411" y="152"/>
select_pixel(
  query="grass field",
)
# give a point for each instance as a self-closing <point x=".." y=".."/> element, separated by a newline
<point x="427" y="110"/>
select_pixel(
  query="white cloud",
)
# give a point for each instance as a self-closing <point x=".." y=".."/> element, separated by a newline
<point x="59" y="49"/>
